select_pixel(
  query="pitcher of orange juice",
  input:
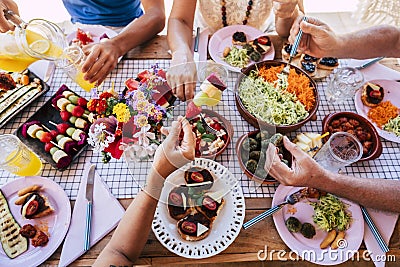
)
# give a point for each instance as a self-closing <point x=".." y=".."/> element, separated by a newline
<point x="29" y="42"/>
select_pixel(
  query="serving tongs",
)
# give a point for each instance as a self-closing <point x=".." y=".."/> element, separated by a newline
<point x="14" y="19"/>
<point x="286" y="70"/>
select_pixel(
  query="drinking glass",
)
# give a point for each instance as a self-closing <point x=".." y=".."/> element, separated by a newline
<point x="344" y="84"/>
<point x="17" y="158"/>
<point x="205" y="68"/>
<point x="341" y="149"/>
<point x="72" y="63"/>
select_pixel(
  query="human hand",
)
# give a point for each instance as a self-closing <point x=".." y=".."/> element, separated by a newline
<point x="5" y="25"/>
<point x="171" y="155"/>
<point x="304" y="171"/>
<point x="102" y="58"/>
<point x="318" y="38"/>
<point x="182" y="75"/>
<point x="285" y="8"/>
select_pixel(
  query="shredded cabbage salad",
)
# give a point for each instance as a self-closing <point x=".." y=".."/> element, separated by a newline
<point x="270" y="104"/>
<point x="331" y="213"/>
<point x="393" y="125"/>
<point x="237" y="57"/>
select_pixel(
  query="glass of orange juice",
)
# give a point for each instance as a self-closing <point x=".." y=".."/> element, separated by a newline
<point x="17" y="158"/>
<point x="71" y="63"/>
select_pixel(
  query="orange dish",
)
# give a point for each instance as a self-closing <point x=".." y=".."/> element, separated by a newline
<point x="382" y="113"/>
<point x="298" y="84"/>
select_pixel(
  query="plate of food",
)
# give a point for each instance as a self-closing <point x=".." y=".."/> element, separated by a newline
<point x="320" y="227"/>
<point x="58" y="131"/>
<point x="238" y="46"/>
<point x="379" y="102"/>
<point x="201" y="210"/>
<point x="316" y="68"/>
<point x="39" y="214"/>
<point x="90" y="34"/>
<point x="17" y="90"/>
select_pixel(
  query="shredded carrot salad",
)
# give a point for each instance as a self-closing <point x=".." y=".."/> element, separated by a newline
<point x="298" y="84"/>
<point x="382" y="113"/>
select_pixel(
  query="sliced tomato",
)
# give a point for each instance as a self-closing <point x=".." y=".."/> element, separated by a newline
<point x="209" y="203"/>
<point x="32" y="208"/>
<point x="132" y="84"/>
<point x="83" y="37"/>
<point x="144" y="75"/>
<point x="264" y="40"/>
<point x="189" y="227"/>
<point x="197" y="177"/>
<point x="176" y="199"/>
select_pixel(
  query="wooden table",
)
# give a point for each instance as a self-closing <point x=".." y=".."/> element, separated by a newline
<point x="243" y="251"/>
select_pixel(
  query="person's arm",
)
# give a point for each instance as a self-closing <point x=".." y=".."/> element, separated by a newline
<point x="5" y="25"/>
<point x="286" y="13"/>
<point x="103" y="57"/>
<point x="180" y="35"/>
<point x="132" y="232"/>
<point x="381" y="194"/>
<point x="320" y="40"/>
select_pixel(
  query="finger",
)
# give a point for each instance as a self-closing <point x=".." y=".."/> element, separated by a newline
<point x="165" y="130"/>
<point x="274" y="166"/>
<point x="293" y="149"/>
<point x="270" y="157"/>
<point x="175" y="130"/>
<point x="180" y="92"/>
<point x="189" y="91"/>
<point x="187" y="131"/>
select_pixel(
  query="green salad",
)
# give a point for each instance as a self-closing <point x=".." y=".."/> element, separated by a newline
<point x="393" y="125"/>
<point x="237" y="57"/>
<point x="331" y="213"/>
<point x="270" y="104"/>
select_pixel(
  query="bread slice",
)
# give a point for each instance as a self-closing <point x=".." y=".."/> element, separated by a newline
<point x="194" y="227"/>
<point x="327" y="63"/>
<point x="286" y="52"/>
<point x="372" y="94"/>
<point x="211" y="205"/>
<point x="199" y="177"/>
<point x="239" y="38"/>
<point x="43" y="209"/>
<point x="179" y="203"/>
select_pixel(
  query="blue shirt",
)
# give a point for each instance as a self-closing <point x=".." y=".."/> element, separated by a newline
<point x="116" y="13"/>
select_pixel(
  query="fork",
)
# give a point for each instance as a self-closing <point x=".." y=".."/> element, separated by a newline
<point x="289" y="199"/>
<point x="206" y="126"/>
<point x="293" y="51"/>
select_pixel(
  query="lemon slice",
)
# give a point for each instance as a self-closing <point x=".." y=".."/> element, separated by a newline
<point x="40" y="46"/>
<point x="11" y="50"/>
<point x="202" y="98"/>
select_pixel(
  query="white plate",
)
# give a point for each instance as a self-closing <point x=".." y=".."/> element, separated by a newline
<point x="392" y="94"/>
<point x="57" y="223"/>
<point x="226" y="226"/>
<point x="309" y="249"/>
<point x="223" y="38"/>
<point x="95" y="31"/>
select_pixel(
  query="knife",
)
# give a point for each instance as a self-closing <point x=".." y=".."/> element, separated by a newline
<point x="89" y="198"/>
<point x="369" y="63"/>
<point x="196" y="55"/>
<point x="49" y="72"/>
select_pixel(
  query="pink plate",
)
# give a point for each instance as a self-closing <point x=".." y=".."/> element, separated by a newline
<point x="392" y="94"/>
<point x="223" y="38"/>
<point x="309" y="249"/>
<point x="57" y="223"/>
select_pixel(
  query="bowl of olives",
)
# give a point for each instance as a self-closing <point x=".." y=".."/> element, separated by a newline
<point x="251" y="149"/>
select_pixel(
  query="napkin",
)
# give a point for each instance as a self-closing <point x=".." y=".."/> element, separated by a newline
<point x="106" y="214"/>
<point x="385" y="222"/>
<point x="40" y="68"/>
<point x="375" y="71"/>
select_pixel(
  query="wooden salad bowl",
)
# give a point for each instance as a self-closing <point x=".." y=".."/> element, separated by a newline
<point x="250" y="118"/>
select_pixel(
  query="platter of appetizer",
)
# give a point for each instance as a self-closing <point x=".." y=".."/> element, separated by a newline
<point x="201" y="210"/>
<point x="58" y="131"/>
<point x="90" y="34"/>
<point x="18" y="90"/>
<point x="379" y="102"/>
<point x="238" y="46"/>
<point x="319" y="222"/>
<point x="316" y="68"/>
<point x="36" y="213"/>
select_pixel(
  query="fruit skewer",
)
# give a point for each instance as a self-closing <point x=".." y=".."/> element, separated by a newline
<point x="76" y="134"/>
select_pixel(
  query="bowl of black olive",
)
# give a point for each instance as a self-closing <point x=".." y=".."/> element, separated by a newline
<point x="251" y="151"/>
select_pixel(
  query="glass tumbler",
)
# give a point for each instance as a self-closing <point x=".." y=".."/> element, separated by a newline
<point x="344" y="84"/>
<point x="17" y="158"/>
<point x="72" y="63"/>
<point x="341" y="150"/>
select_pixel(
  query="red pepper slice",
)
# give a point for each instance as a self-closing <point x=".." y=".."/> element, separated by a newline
<point x="32" y="207"/>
